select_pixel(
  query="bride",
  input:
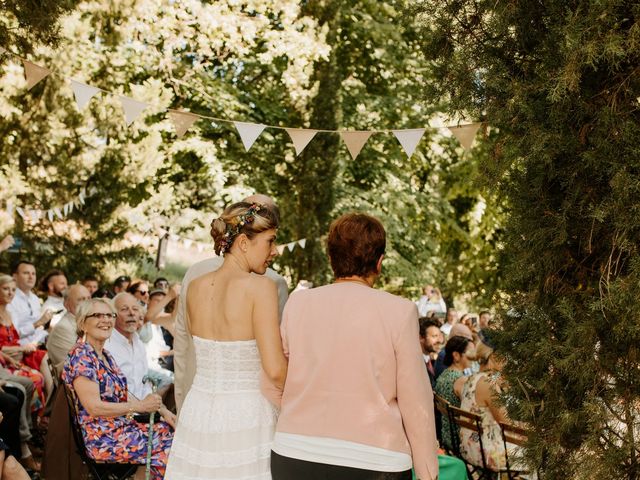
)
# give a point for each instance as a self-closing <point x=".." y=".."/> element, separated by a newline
<point x="226" y="426"/>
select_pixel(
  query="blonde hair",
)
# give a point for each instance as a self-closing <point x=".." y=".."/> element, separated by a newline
<point x="483" y="352"/>
<point x="242" y="217"/>
<point x="84" y="308"/>
<point x="4" y="279"/>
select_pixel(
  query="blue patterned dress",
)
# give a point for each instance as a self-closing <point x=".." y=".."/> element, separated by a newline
<point x="114" y="439"/>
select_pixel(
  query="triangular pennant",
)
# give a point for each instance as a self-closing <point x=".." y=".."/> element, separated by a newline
<point x="300" y="138"/>
<point x="465" y="134"/>
<point x="409" y="139"/>
<point x="132" y="108"/>
<point x="81" y="197"/>
<point x="302" y="242"/>
<point x="200" y="247"/>
<point x="20" y="211"/>
<point x="355" y="141"/>
<point x="249" y="132"/>
<point x="50" y="215"/>
<point x="182" y="121"/>
<point x="58" y="213"/>
<point x="291" y="246"/>
<point x="280" y="249"/>
<point x="173" y="237"/>
<point x="34" y="215"/>
<point x="83" y="93"/>
<point x="187" y="242"/>
<point x="34" y="73"/>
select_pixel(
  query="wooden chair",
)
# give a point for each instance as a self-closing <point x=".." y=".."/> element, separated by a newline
<point x="442" y="406"/>
<point x="98" y="470"/>
<point x="514" y="435"/>
<point x="473" y="422"/>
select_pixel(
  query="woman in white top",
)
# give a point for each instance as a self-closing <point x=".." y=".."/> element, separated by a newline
<point x="226" y="427"/>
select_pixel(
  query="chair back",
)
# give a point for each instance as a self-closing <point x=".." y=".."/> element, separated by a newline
<point x="73" y="418"/>
<point x="52" y="370"/>
<point x="471" y="421"/>
<point x="517" y="436"/>
<point x="441" y="405"/>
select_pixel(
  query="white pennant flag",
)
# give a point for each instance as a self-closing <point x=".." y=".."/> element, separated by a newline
<point x="34" y="73"/>
<point x="465" y="134"/>
<point x="249" y="132"/>
<point x="83" y="93"/>
<point x="58" y="213"/>
<point x="355" y="141"/>
<point x="280" y="249"/>
<point x="300" y="138"/>
<point x="302" y="242"/>
<point x="81" y="197"/>
<point x="182" y="121"/>
<point x="20" y="211"/>
<point x="132" y="108"/>
<point x="34" y="215"/>
<point x="187" y="243"/>
<point x="65" y="209"/>
<point x="291" y="246"/>
<point x="50" y="215"/>
<point x="200" y="247"/>
<point x="409" y="139"/>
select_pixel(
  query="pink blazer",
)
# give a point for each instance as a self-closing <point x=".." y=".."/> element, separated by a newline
<point x="356" y="372"/>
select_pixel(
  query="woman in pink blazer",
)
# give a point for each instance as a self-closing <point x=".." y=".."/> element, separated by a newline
<point x="357" y="403"/>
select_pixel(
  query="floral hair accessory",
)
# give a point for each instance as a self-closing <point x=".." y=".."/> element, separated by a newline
<point x="235" y="225"/>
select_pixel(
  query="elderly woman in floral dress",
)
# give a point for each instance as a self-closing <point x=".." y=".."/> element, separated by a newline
<point x="104" y="407"/>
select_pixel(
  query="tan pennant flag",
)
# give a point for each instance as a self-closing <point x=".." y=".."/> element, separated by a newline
<point x="83" y="93"/>
<point x="132" y="108"/>
<point x="249" y="132"/>
<point x="300" y="138"/>
<point x="465" y="133"/>
<point x="280" y="249"/>
<point x="409" y="139"/>
<point x="182" y="121"/>
<point x="303" y="242"/>
<point x="34" y="73"/>
<point x="291" y="246"/>
<point x="355" y="141"/>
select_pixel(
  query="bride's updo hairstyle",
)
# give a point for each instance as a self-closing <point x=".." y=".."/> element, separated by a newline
<point x="242" y="217"/>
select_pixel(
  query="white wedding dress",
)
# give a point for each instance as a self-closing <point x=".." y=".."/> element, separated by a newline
<point x="226" y="427"/>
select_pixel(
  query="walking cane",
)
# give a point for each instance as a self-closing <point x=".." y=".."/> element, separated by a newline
<point x="154" y="388"/>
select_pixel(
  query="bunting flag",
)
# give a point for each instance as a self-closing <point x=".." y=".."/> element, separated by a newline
<point x="291" y="246"/>
<point x="20" y="212"/>
<point x="187" y="243"/>
<point x="355" y="141"/>
<point x="303" y="242"/>
<point x="132" y="108"/>
<point x="409" y="139"/>
<point x="34" y="73"/>
<point x="465" y="134"/>
<point x="249" y="132"/>
<point x="280" y="249"/>
<point x="300" y="138"/>
<point x="50" y="215"/>
<point x="83" y="93"/>
<point x="182" y="121"/>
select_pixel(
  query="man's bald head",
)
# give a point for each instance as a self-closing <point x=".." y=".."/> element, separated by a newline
<point x="265" y="200"/>
<point x="74" y="295"/>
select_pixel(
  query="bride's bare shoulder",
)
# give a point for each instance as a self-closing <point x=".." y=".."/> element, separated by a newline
<point x="201" y="282"/>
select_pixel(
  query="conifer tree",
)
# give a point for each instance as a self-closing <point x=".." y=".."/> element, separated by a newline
<point x="558" y="84"/>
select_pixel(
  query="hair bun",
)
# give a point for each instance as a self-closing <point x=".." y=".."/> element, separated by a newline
<point x="218" y="229"/>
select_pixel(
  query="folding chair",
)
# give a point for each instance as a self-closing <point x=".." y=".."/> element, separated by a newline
<point x="98" y="470"/>
<point x="516" y="436"/>
<point x="442" y="406"/>
<point x="473" y="422"/>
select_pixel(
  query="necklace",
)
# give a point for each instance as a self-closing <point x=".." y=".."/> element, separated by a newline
<point x="352" y="280"/>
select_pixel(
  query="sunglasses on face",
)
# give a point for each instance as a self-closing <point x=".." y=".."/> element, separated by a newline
<point x="143" y="292"/>
<point x="102" y="316"/>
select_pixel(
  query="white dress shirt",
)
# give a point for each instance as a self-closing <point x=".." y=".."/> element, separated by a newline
<point x="55" y="304"/>
<point x="25" y="311"/>
<point x="131" y="357"/>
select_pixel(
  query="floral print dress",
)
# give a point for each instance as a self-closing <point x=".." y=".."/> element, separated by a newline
<point x="491" y="434"/>
<point x="444" y="388"/>
<point x="114" y="439"/>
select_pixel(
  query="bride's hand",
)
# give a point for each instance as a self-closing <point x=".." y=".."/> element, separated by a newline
<point x="168" y="417"/>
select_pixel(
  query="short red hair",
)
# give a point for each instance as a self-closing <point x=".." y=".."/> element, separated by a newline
<point x="356" y="242"/>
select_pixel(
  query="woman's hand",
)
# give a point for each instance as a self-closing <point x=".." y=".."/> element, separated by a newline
<point x="150" y="403"/>
<point x="29" y="347"/>
<point x="168" y="416"/>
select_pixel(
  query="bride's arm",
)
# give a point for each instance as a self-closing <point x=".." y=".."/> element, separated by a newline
<point x="267" y="331"/>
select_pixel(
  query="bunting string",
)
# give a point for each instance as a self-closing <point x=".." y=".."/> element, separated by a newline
<point x="182" y="120"/>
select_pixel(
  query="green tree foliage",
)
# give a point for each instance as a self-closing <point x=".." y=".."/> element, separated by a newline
<point x="558" y="82"/>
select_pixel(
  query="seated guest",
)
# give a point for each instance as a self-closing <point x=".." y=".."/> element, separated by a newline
<point x="23" y="360"/>
<point x="479" y="395"/>
<point x="53" y="285"/>
<point x="10" y="469"/>
<point x="25" y="309"/>
<point x="104" y="406"/>
<point x="91" y="283"/>
<point x="63" y="336"/>
<point x="140" y="290"/>
<point x="431" y="343"/>
<point x="161" y="283"/>
<point x="357" y="401"/>
<point x="24" y="389"/>
<point x="458" y="351"/>
<point x="121" y="284"/>
<point x="458" y="330"/>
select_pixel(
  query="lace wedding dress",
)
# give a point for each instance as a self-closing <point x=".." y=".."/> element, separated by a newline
<point x="226" y="426"/>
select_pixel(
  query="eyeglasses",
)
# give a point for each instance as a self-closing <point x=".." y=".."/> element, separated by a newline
<point x="143" y="292"/>
<point x="101" y="316"/>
